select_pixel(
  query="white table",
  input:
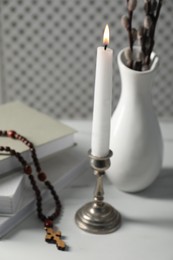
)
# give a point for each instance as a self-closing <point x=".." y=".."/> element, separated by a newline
<point x="146" y="232"/>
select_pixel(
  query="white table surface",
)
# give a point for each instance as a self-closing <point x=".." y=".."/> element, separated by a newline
<point x="147" y="218"/>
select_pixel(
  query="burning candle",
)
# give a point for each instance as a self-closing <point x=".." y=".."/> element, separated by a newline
<point x="102" y="99"/>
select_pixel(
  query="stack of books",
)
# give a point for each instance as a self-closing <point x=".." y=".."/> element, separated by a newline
<point x="60" y="157"/>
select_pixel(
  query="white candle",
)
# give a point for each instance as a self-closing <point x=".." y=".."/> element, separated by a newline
<point x="102" y="99"/>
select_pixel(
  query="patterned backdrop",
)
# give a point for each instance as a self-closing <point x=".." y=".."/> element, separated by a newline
<point x="48" y="52"/>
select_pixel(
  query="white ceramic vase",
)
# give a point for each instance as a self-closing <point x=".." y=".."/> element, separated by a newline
<point x="136" y="139"/>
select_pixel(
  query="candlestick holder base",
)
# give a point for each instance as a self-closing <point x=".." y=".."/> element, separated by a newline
<point x="97" y="216"/>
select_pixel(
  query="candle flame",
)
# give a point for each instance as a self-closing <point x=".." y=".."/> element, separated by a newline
<point x="106" y="35"/>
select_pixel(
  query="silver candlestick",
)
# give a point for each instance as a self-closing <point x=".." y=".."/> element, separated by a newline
<point x="97" y="216"/>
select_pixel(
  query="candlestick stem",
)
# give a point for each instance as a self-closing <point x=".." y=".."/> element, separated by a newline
<point x="97" y="216"/>
<point x="99" y="192"/>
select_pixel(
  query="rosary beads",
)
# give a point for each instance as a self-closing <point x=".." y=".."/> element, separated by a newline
<point x="51" y="235"/>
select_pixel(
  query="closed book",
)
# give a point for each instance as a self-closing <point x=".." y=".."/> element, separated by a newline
<point x="47" y="134"/>
<point x="11" y="186"/>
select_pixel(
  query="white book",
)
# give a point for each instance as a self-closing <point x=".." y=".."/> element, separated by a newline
<point x="61" y="169"/>
<point x="48" y="135"/>
<point x="11" y="186"/>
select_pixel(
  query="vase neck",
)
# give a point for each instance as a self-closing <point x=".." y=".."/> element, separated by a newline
<point x="136" y="83"/>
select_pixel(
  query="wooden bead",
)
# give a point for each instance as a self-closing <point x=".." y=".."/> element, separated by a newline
<point x="27" y="169"/>
<point x="7" y="149"/>
<point x="11" y="134"/>
<point x="1" y="148"/>
<point x="48" y="223"/>
<point x="42" y="176"/>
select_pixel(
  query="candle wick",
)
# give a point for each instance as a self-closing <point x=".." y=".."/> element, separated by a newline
<point x="105" y="47"/>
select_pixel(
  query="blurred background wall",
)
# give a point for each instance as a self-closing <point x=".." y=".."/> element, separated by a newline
<point x="48" y="53"/>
